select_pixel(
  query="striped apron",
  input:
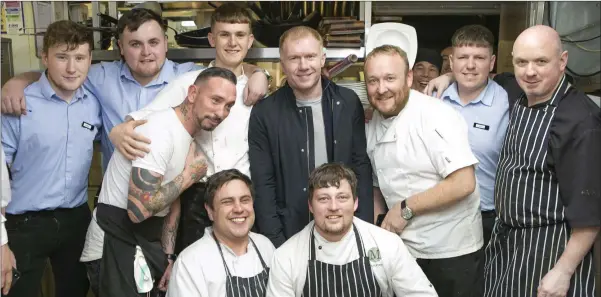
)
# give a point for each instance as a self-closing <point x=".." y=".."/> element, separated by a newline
<point x="254" y="286"/>
<point x="531" y="230"/>
<point x="349" y="280"/>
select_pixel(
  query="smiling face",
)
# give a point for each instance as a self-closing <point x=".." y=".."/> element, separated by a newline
<point x="212" y="101"/>
<point x="471" y="65"/>
<point x="144" y="50"/>
<point x="333" y="209"/>
<point x="232" y="211"/>
<point x="423" y="73"/>
<point x="67" y="68"/>
<point x="231" y="42"/>
<point x="302" y="59"/>
<point x="388" y="83"/>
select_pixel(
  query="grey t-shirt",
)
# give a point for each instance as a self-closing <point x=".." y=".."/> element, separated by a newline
<point x="319" y="132"/>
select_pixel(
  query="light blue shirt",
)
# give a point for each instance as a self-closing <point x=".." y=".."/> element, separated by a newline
<point x="50" y="149"/>
<point x="120" y="94"/>
<point x="487" y="118"/>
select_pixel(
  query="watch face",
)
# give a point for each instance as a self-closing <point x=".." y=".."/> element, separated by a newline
<point x="406" y="213"/>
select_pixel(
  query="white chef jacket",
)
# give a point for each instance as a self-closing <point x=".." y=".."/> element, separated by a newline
<point x="395" y="270"/>
<point x="4" y="197"/>
<point x="226" y="147"/>
<point x="199" y="271"/>
<point x="425" y="143"/>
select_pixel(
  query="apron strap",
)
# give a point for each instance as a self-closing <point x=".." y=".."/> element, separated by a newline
<point x="358" y="240"/>
<point x="258" y="253"/>
<point x="227" y="270"/>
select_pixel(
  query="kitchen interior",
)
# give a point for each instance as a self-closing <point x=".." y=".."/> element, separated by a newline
<point x="344" y="25"/>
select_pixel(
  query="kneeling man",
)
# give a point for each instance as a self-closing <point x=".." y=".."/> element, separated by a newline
<point x="338" y="254"/>
<point x="228" y="260"/>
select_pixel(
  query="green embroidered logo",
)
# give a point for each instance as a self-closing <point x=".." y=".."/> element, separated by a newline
<point x="374" y="255"/>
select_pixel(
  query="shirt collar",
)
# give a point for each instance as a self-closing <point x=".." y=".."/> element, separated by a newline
<point x="165" y="75"/>
<point x="452" y="93"/>
<point x="49" y="93"/>
<point x="243" y="75"/>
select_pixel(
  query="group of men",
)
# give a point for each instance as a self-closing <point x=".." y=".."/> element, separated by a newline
<point x="480" y="193"/>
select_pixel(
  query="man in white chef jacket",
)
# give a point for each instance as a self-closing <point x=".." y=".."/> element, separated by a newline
<point x="424" y="175"/>
<point x="228" y="260"/>
<point x="340" y="255"/>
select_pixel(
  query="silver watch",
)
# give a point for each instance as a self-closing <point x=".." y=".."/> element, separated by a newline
<point x="406" y="212"/>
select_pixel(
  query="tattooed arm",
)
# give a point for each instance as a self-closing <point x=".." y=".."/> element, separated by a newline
<point x="170" y="227"/>
<point x="147" y="196"/>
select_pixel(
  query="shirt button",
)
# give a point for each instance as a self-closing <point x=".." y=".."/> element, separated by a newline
<point x="337" y="102"/>
<point x="300" y="110"/>
<point x="245" y="140"/>
<point x="304" y="189"/>
<point x="334" y="141"/>
<point x="215" y="140"/>
<point x="319" y="247"/>
<point x="302" y="150"/>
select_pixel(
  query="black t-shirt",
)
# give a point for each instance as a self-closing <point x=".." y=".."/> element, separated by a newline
<point x="575" y="155"/>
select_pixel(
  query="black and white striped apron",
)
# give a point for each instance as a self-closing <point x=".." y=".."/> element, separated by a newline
<point x="349" y="280"/>
<point x="531" y="230"/>
<point x="254" y="286"/>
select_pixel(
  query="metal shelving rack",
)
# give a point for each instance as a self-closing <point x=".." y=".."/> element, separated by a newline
<point x="208" y="54"/>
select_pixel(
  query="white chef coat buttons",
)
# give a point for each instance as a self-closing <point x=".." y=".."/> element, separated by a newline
<point x="319" y="247"/>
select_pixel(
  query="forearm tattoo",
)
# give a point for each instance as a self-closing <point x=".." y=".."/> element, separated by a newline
<point x="170" y="230"/>
<point x="146" y="195"/>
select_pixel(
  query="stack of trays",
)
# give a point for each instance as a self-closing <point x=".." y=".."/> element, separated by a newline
<point x="358" y="87"/>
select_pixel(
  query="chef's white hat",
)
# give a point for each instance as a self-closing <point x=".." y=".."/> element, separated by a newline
<point x="401" y="35"/>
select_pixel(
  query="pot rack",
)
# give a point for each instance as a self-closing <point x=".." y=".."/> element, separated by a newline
<point x="208" y="54"/>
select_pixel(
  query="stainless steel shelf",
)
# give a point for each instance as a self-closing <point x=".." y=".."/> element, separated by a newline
<point x="208" y="54"/>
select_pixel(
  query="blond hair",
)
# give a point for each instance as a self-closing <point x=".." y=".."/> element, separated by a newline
<point x="298" y="32"/>
<point x="390" y="50"/>
<point x="231" y="13"/>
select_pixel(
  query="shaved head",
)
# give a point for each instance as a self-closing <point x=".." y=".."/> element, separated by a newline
<point x="539" y="62"/>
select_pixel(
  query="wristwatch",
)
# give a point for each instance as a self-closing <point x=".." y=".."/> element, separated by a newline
<point x="406" y="212"/>
<point x="171" y="257"/>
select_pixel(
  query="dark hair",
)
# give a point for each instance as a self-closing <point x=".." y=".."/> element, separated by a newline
<point x="215" y="72"/>
<point x="330" y="175"/>
<point x="67" y="33"/>
<point x="133" y="19"/>
<point x="231" y="13"/>
<point x="217" y="180"/>
<point x="473" y="35"/>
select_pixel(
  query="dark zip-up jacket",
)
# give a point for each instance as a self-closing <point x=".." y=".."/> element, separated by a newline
<point x="280" y="138"/>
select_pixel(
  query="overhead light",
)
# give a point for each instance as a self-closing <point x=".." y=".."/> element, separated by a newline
<point x="188" y="24"/>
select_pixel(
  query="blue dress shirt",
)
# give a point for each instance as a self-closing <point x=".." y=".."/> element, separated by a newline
<point x="50" y="149"/>
<point x="120" y="94"/>
<point x="487" y="118"/>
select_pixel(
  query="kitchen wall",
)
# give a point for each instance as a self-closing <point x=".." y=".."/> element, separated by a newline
<point x="24" y="45"/>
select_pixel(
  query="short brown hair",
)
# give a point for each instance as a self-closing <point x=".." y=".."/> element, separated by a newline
<point x="299" y="32"/>
<point x="231" y="13"/>
<point x="331" y="175"/>
<point x="217" y="180"/>
<point x="67" y="33"/>
<point x="133" y="19"/>
<point x="473" y="35"/>
<point x="391" y="50"/>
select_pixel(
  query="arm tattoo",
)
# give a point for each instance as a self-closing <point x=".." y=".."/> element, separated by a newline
<point x="146" y="195"/>
<point x="170" y="228"/>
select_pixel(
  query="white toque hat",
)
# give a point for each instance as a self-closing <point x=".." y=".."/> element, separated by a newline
<point x="401" y="35"/>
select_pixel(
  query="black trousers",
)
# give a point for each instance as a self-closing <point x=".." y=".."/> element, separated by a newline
<point x="194" y="218"/>
<point x="58" y="235"/>
<point x="455" y="277"/>
<point x="488" y="223"/>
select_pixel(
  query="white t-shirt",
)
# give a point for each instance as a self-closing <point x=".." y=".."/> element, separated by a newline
<point x="412" y="153"/>
<point x="226" y="147"/>
<point x="170" y="143"/>
<point x="4" y="197"/>
<point x="199" y="270"/>
<point x="396" y="271"/>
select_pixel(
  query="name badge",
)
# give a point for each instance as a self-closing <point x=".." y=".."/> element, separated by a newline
<point x="87" y="126"/>
<point x="481" y="126"/>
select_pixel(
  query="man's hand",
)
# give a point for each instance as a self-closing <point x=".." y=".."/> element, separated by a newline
<point x="13" y="98"/>
<point x="369" y="113"/>
<point x="8" y="262"/>
<point x="439" y="84"/>
<point x="129" y="143"/>
<point x="196" y="163"/>
<point x="393" y="221"/>
<point x="164" y="283"/>
<point x="555" y="283"/>
<point x="256" y="88"/>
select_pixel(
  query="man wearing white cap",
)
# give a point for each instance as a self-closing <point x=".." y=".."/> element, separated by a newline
<point x="423" y="172"/>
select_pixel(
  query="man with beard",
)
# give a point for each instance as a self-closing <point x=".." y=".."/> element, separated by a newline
<point x="138" y="210"/>
<point x="485" y="107"/>
<point x="547" y="191"/>
<point x="308" y="122"/>
<point x="129" y="84"/>
<point x="226" y="147"/>
<point x="427" y="67"/>
<point x="228" y="260"/>
<point x="49" y="155"/>
<point x="338" y="254"/>
<point x="424" y="171"/>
